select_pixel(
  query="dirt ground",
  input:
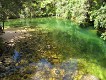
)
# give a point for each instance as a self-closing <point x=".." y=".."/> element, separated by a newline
<point x="11" y="35"/>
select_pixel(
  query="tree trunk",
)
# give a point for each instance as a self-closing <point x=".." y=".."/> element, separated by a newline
<point x="3" y="25"/>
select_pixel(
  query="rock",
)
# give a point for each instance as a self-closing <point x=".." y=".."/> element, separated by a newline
<point x="67" y="77"/>
<point x="25" y="76"/>
<point x="0" y="62"/>
<point x="16" y="56"/>
<point x="70" y="65"/>
<point x="7" y="68"/>
<point x="2" y="68"/>
<point x="2" y="75"/>
<point x="0" y="54"/>
<point x="57" y="71"/>
<point x="18" y="67"/>
<point x="48" y="47"/>
<point x="32" y="64"/>
<point x="29" y="72"/>
<point x="8" y="60"/>
<point x="89" y="77"/>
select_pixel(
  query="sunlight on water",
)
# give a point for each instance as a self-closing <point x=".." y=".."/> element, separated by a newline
<point x="46" y="71"/>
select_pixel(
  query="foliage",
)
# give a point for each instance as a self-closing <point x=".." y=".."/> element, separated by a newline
<point x="74" y="9"/>
<point x="10" y="8"/>
<point x="103" y="36"/>
<point x="84" y="12"/>
<point x="77" y="10"/>
<point x="99" y="17"/>
<point x="27" y="8"/>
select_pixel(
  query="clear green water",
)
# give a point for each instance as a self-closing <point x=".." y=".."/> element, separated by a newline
<point x="73" y="42"/>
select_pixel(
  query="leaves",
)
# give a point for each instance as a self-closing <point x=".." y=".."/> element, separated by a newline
<point x="103" y="36"/>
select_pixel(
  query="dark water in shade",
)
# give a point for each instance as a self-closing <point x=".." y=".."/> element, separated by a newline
<point x="74" y="42"/>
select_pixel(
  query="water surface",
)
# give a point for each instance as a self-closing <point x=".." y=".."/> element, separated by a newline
<point x="72" y="42"/>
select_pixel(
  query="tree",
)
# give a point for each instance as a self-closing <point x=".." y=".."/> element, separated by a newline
<point x="3" y="12"/>
<point x="10" y="9"/>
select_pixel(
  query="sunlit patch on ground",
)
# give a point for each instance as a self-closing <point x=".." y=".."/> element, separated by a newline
<point x="14" y="34"/>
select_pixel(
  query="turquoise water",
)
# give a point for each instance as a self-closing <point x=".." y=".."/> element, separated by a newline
<point x="74" y="42"/>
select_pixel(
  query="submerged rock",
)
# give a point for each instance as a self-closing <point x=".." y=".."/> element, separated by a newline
<point x="16" y="56"/>
<point x="89" y="77"/>
<point x="8" y="60"/>
<point x="45" y="70"/>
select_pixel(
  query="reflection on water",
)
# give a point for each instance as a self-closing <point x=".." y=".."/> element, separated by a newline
<point x="71" y="42"/>
<point x="46" y="71"/>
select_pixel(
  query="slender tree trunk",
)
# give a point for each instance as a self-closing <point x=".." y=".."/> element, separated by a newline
<point x="3" y="25"/>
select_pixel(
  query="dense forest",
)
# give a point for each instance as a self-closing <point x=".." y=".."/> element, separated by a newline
<point x="52" y="39"/>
